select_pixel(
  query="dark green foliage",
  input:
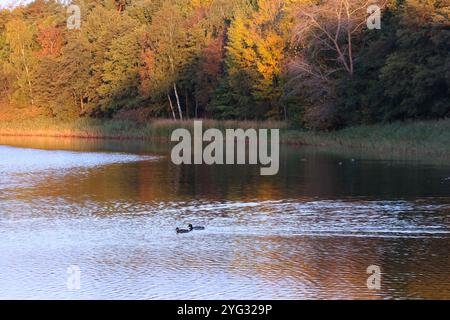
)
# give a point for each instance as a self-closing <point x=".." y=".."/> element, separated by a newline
<point x="403" y="73"/>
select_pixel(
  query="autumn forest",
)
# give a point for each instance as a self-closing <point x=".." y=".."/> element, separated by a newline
<point x="315" y="64"/>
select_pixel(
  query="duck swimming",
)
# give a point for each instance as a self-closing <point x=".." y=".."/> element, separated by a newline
<point x="178" y="230"/>
<point x="191" y="227"/>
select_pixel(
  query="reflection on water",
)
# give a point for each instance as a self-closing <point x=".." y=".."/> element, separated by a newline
<point x="309" y="232"/>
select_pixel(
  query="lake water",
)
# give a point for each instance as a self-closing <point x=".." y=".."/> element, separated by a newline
<point x="110" y="208"/>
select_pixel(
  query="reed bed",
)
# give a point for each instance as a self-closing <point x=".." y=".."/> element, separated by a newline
<point x="415" y="139"/>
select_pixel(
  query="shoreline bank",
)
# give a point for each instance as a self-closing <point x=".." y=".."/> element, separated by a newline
<point x="423" y="138"/>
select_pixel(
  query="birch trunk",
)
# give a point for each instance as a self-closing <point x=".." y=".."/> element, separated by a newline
<point x="171" y="107"/>
<point x="178" y="100"/>
<point x="30" y="87"/>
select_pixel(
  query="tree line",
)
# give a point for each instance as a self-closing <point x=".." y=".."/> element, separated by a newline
<point x="313" y="63"/>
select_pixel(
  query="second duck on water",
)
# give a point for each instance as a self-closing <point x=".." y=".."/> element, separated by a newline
<point x="191" y="227"/>
<point x="178" y="230"/>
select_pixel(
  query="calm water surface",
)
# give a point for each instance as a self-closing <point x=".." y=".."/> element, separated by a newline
<point x="111" y="207"/>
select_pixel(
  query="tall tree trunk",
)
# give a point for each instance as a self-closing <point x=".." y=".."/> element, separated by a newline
<point x="171" y="107"/>
<point x="349" y="37"/>
<point x="175" y="87"/>
<point x="178" y="100"/>
<point x="81" y="105"/>
<point x="30" y="87"/>
<point x="350" y="53"/>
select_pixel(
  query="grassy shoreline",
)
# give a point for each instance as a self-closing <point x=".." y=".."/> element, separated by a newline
<point x="422" y="140"/>
<point x="117" y="129"/>
<point x="415" y="139"/>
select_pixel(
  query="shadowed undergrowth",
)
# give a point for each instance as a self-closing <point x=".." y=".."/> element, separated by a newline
<point x="413" y="140"/>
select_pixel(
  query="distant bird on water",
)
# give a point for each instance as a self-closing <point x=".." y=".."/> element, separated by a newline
<point x="178" y="230"/>
<point x="191" y="227"/>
